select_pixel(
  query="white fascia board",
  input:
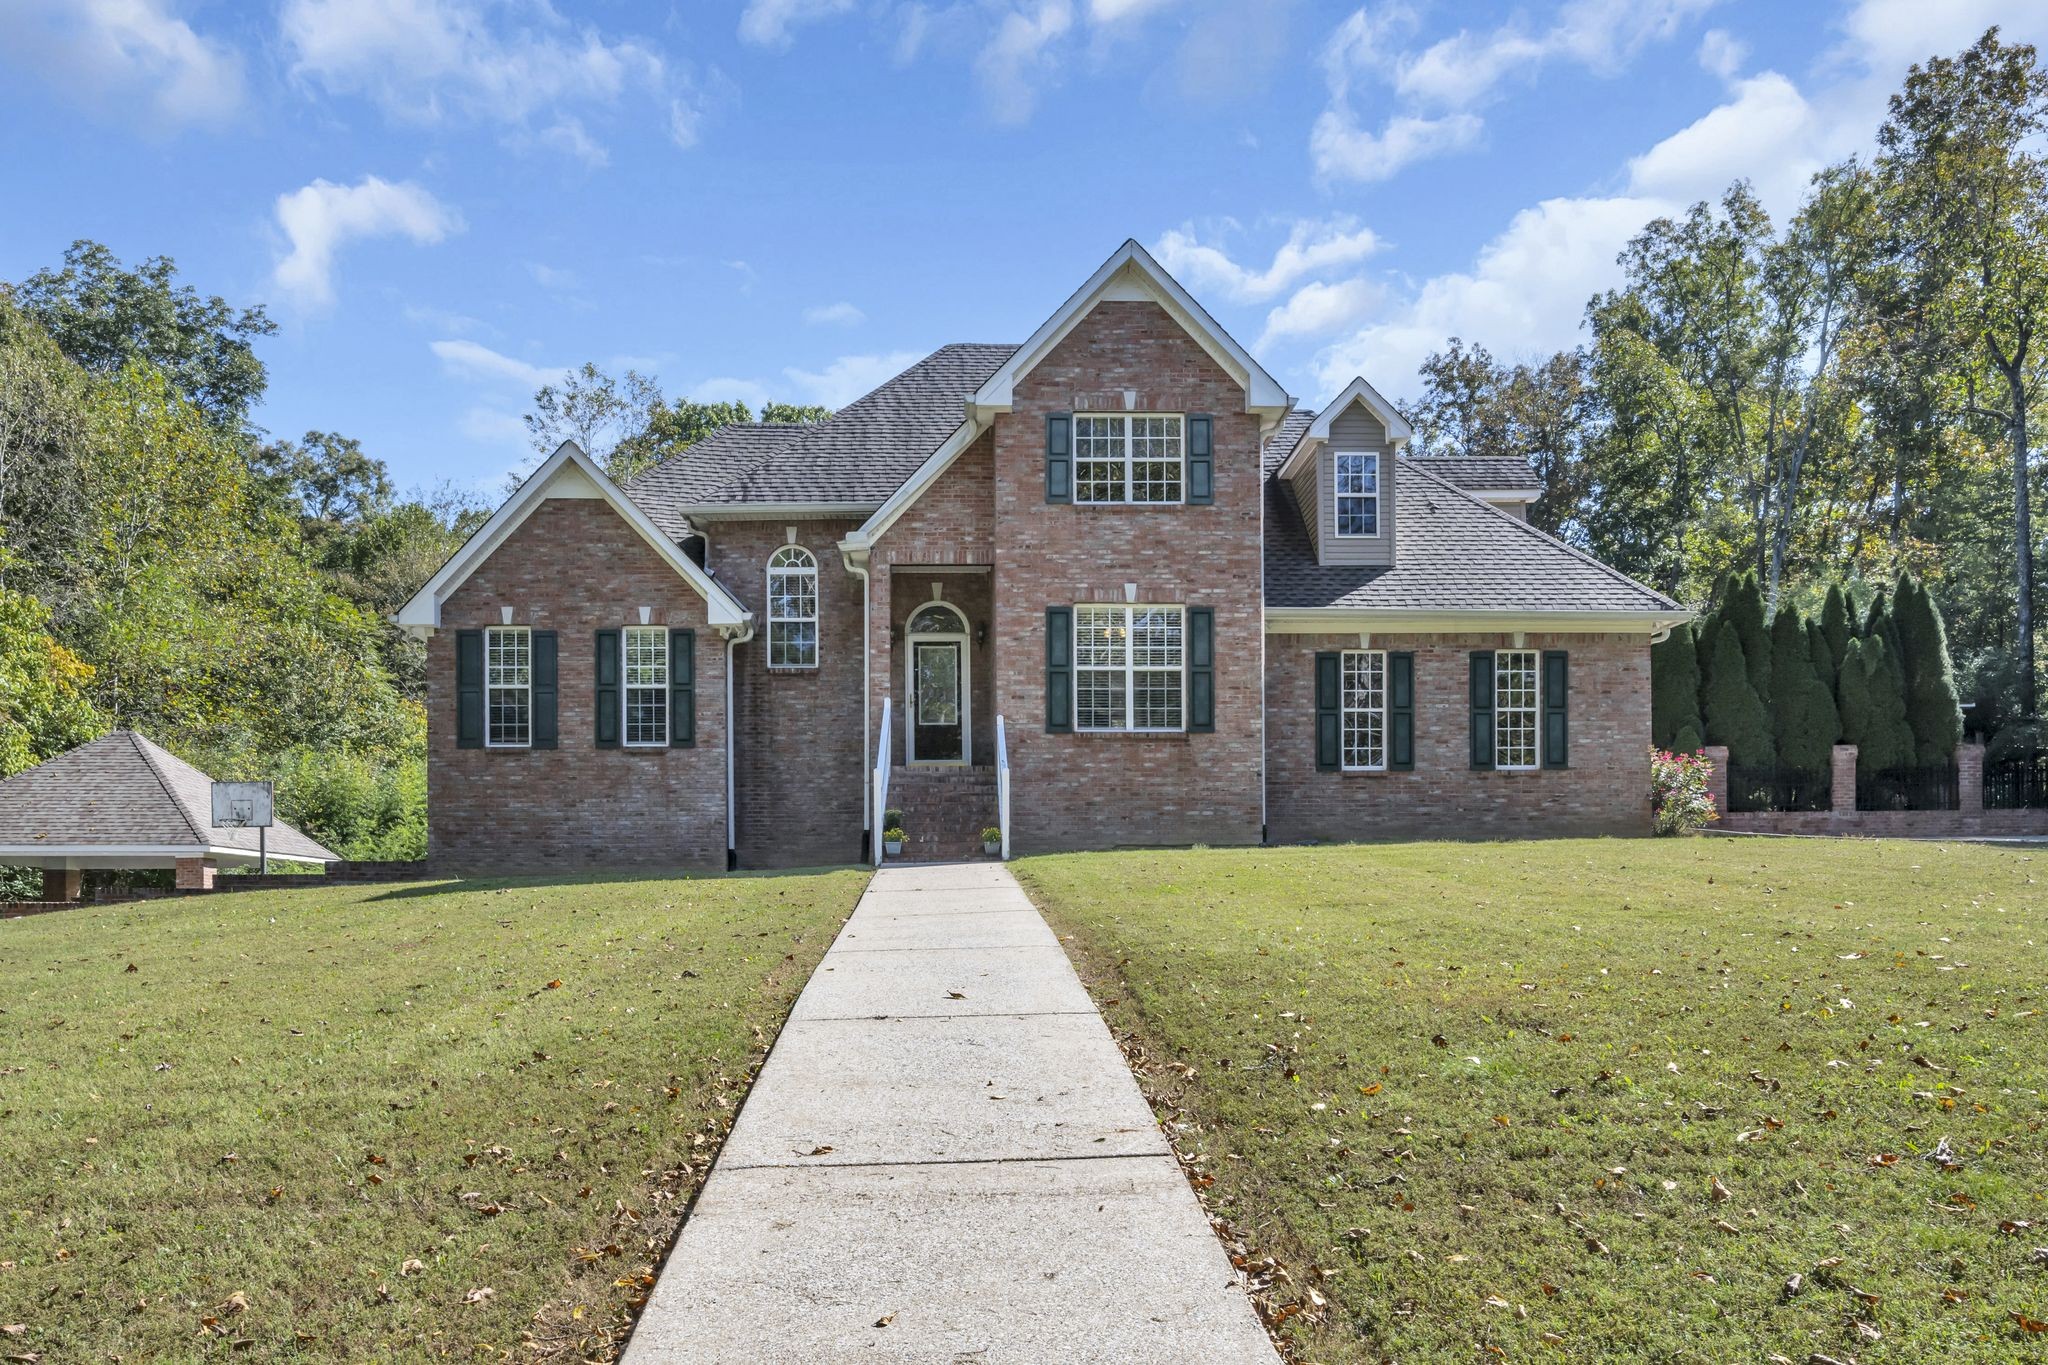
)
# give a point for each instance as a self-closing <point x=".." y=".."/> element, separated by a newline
<point x="1503" y="494"/>
<point x="912" y="488"/>
<point x="1399" y="433"/>
<point x="36" y="855"/>
<point x="423" y="611"/>
<point x="1349" y="620"/>
<point x="1132" y="265"/>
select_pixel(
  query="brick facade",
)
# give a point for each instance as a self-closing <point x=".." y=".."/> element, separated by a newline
<point x="1093" y="790"/>
<point x="1604" y="791"/>
<point x="575" y="567"/>
<point x="797" y="773"/>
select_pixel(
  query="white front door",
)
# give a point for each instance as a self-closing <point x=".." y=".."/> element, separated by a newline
<point x="936" y="672"/>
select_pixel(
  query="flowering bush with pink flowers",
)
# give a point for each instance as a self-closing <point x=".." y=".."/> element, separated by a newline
<point x="1678" y="791"/>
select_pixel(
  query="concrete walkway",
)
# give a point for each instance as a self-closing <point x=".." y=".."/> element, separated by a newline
<point x="946" y="1159"/>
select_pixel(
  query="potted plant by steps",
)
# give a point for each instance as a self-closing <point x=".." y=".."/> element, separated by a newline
<point x="992" y="841"/>
<point x="892" y="841"/>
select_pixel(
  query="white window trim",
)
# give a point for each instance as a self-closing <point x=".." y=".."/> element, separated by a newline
<point x="1535" y="709"/>
<point x="1345" y="710"/>
<point x="490" y="687"/>
<point x="1337" y="497"/>
<point x="817" y="609"/>
<point x="1129" y="460"/>
<point x="1129" y="669"/>
<point x="627" y="687"/>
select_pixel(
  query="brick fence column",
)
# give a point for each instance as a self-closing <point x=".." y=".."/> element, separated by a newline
<point x="195" y="874"/>
<point x="1717" y="780"/>
<point x="63" y="883"/>
<point x="1970" y="777"/>
<point x="1844" y="795"/>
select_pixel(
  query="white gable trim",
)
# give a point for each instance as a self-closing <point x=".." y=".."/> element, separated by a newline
<point x="1132" y="274"/>
<point x="1399" y="433"/>
<point x="567" y="473"/>
<point x="912" y="488"/>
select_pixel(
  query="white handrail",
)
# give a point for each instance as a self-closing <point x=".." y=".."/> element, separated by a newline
<point x="1003" y="786"/>
<point x="881" y="785"/>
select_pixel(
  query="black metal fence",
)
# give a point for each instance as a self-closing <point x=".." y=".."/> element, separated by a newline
<point x="1933" y="787"/>
<point x="1775" y="788"/>
<point x="2017" y="783"/>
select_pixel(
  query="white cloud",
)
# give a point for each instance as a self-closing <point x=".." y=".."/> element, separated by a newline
<point x="548" y="277"/>
<point x="768" y="23"/>
<point x="727" y="389"/>
<point x="493" y="427"/>
<point x="840" y="314"/>
<point x="430" y="60"/>
<point x="1013" y="67"/>
<point x="124" y="54"/>
<point x="1342" y="150"/>
<point x="1320" y="308"/>
<point x="1722" y="53"/>
<point x="1764" y="134"/>
<point x="1445" y="82"/>
<point x="1114" y="11"/>
<point x="848" y="377"/>
<point x="319" y="218"/>
<point x="1312" y="245"/>
<point x="471" y="360"/>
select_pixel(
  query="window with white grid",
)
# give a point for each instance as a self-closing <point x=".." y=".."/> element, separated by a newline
<point x="1130" y="668"/>
<point x="1514" y="708"/>
<point x="1129" y="458"/>
<point x="1358" y="493"/>
<point x="1365" y="710"/>
<point x="646" y="679"/>
<point x="792" y="608"/>
<point x="508" y="687"/>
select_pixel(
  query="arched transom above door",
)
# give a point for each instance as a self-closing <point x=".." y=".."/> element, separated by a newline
<point x="937" y="618"/>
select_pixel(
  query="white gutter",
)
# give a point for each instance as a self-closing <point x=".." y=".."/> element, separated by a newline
<point x="867" y="738"/>
<point x="1349" y="620"/>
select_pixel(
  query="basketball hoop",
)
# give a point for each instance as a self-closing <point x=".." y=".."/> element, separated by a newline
<point x="247" y="805"/>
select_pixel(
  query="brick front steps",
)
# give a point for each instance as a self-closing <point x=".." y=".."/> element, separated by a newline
<point x="944" y="810"/>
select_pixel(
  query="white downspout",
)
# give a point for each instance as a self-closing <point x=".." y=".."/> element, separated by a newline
<point x="867" y="702"/>
<point x="732" y="824"/>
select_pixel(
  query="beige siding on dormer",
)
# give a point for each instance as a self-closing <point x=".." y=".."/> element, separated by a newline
<point x="1354" y="429"/>
<point x="1304" y="485"/>
<point x="1517" y="509"/>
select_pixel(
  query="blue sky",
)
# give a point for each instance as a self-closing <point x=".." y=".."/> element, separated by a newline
<point x="444" y="202"/>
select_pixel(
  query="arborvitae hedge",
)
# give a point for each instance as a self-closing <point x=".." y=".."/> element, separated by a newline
<point x="1873" y="710"/>
<point x="1933" y="708"/>
<point x="1837" y="622"/>
<point x="1735" y="715"/>
<point x="1825" y="666"/>
<point x="1675" y="690"/>
<point x="1743" y="612"/>
<point x="1803" y="715"/>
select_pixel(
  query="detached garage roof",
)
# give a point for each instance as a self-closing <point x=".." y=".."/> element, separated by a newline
<point x="122" y="801"/>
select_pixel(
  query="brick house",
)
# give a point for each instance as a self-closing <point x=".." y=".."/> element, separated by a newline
<point x="1115" y="565"/>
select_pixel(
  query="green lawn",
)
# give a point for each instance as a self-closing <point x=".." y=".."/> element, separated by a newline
<point x="1476" y="1098"/>
<point x="448" y="1120"/>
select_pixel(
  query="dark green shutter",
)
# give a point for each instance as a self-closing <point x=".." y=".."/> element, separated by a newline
<point x="1201" y="669"/>
<point x="1201" y="460"/>
<point x="1059" y="669"/>
<point x="1482" y="708"/>
<point x="469" y="689"/>
<point x="607" y="674"/>
<point x="1329" y="715"/>
<point x="1556" y="709"/>
<point x="1401" y="712"/>
<point x="1059" y="457"/>
<point x="682" y="689"/>
<point x="546" y="706"/>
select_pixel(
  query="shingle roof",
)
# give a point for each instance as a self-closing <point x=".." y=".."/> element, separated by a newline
<point x="123" y="791"/>
<point x="859" y="456"/>
<point x="1484" y="472"/>
<point x="1452" y="552"/>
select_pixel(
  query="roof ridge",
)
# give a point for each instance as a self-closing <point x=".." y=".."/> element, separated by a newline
<point x="1538" y="532"/>
<point x="142" y="746"/>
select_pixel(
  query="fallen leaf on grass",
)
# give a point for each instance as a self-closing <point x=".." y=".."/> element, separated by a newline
<point x="554" y="985"/>
<point x="2027" y="1324"/>
<point x="413" y="1266"/>
<point x="15" y="1329"/>
<point x="478" y="1295"/>
<point x="1720" y="1192"/>
<point x="237" y="1302"/>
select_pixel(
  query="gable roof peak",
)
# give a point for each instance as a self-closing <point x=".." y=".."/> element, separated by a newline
<point x="1132" y="273"/>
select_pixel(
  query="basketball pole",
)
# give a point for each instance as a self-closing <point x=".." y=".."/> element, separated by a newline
<point x="263" y="850"/>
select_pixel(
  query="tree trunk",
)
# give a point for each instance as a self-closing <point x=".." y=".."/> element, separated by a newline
<point x="2023" y="533"/>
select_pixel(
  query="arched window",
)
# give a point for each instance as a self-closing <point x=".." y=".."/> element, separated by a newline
<point x="938" y="618"/>
<point x="792" y="608"/>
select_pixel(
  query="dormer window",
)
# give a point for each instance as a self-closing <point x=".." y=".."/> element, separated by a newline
<point x="1358" y="493"/>
<point x="1128" y="458"/>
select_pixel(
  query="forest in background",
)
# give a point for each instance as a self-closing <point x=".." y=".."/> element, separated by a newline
<point x="1837" y="399"/>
